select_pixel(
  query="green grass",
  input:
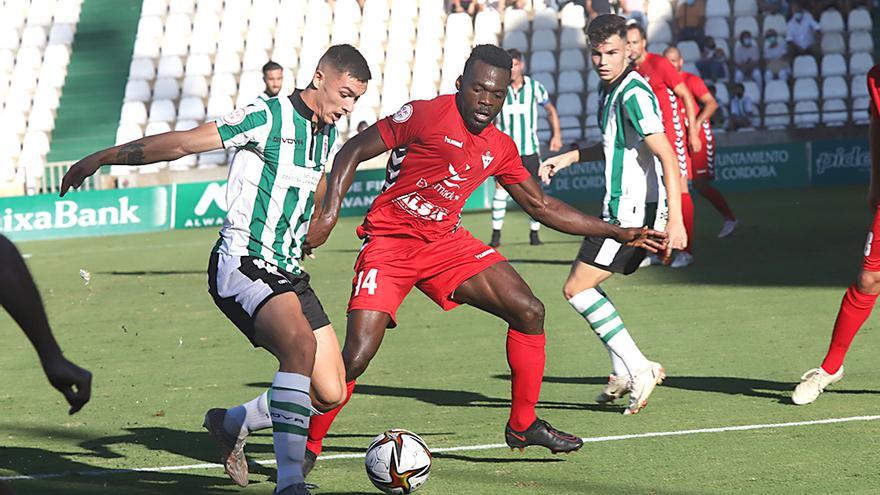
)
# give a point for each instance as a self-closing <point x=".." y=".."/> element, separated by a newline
<point x="735" y="331"/>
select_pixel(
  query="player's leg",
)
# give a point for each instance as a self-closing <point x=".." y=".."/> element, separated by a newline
<point x="499" y="210"/>
<point x="714" y="196"/>
<point x="533" y="163"/>
<point x="858" y="301"/>
<point x="499" y="290"/>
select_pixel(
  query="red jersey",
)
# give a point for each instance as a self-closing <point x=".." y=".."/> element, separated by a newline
<point x="696" y="86"/>
<point x="443" y="165"/>
<point x="874" y="90"/>
<point x="662" y="77"/>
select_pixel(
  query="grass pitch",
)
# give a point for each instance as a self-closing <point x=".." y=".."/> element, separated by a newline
<point x="735" y="331"/>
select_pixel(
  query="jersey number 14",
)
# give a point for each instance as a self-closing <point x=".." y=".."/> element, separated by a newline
<point x="367" y="282"/>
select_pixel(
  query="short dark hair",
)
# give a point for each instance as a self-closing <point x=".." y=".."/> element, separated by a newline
<point x="270" y="66"/>
<point x="605" y="26"/>
<point x="347" y="59"/>
<point x="639" y="27"/>
<point x="515" y="54"/>
<point x="490" y="54"/>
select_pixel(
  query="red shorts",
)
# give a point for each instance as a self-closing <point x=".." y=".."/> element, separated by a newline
<point x="871" y="262"/>
<point x="387" y="268"/>
<point x="703" y="163"/>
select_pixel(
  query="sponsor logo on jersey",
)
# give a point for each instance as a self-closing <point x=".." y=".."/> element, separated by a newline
<point x="417" y="206"/>
<point x="236" y="117"/>
<point x="298" y="142"/>
<point x="484" y="253"/>
<point x="422" y="182"/>
<point x="487" y="159"/>
<point x="453" y="180"/>
<point x="457" y="144"/>
<point x="403" y="114"/>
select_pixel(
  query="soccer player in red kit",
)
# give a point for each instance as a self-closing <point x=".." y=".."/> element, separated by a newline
<point x="703" y="161"/>
<point x="671" y="92"/>
<point x="859" y="299"/>
<point x="413" y="235"/>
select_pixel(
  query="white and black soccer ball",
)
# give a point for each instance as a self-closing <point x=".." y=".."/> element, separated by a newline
<point x="398" y="462"/>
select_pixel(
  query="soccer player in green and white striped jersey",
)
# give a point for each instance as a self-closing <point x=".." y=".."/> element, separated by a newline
<point x="638" y="191"/>
<point x="254" y="274"/>
<point x="273" y="78"/>
<point x="519" y="120"/>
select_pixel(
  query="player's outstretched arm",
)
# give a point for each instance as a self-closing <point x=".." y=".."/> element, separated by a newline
<point x="660" y="147"/>
<point x="19" y="296"/>
<point x="554" y="164"/>
<point x="710" y="106"/>
<point x="150" y="149"/>
<point x="562" y="217"/>
<point x="362" y="147"/>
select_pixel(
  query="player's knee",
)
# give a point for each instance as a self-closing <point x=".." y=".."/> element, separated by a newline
<point x="530" y="315"/>
<point x="325" y="400"/>
<point x="355" y="364"/>
<point x="571" y="288"/>
<point x="869" y="282"/>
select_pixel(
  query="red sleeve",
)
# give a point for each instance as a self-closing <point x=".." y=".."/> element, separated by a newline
<point x="511" y="169"/>
<point x="404" y="126"/>
<point x="670" y="76"/>
<point x="874" y="90"/>
<point x="695" y="84"/>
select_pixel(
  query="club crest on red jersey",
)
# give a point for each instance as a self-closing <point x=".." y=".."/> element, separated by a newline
<point x="403" y="114"/>
<point x="487" y="159"/>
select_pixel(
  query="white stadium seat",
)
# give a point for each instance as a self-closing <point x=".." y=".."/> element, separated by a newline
<point x="660" y="33"/>
<point x="573" y="16"/>
<point x="753" y="91"/>
<point x="859" y="86"/>
<point x="162" y="111"/>
<point x="154" y="128"/>
<point x="571" y="82"/>
<point x="775" y="22"/>
<point x="861" y="42"/>
<point x="777" y="115"/>
<point x="154" y="8"/>
<point x="543" y="39"/>
<point x="834" y="112"/>
<point x="543" y="60"/>
<point x="569" y="104"/>
<point x="776" y="91"/>
<point x="749" y="24"/>
<point x="661" y="10"/>
<point x="218" y="106"/>
<point x="717" y="27"/>
<point x="572" y="59"/>
<point x="545" y="19"/>
<point x="191" y="108"/>
<point x="832" y="43"/>
<point x="806" y="114"/>
<point x="833" y="65"/>
<point x="717" y="8"/>
<point x="547" y="79"/>
<point x="690" y="50"/>
<point x="831" y="22"/>
<point x="572" y="38"/>
<point x="515" y="39"/>
<point x="834" y="87"/>
<point x="137" y="90"/>
<point x="860" y="113"/>
<point x="745" y="8"/>
<point x="516" y="20"/>
<point x="41" y="119"/>
<point x="166" y="88"/>
<point x="127" y="132"/>
<point x="805" y="89"/>
<point x="859" y="20"/>
<point x="224" y="84"/>
<point x="805" y="66"/>
<point x="171" y="66"/>
<point x="133" y="112"/>
<point x="199" y="65"/>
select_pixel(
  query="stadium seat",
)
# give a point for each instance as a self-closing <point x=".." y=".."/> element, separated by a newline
<point x="218" y="106"/>
<point x="690" y="50"/>
<point x="191" y="108"/>
<point x="570" y="82"/>
<point x="661" y="11"/>
<point x="254" y="59"/>
<point x="859" y="20"/>
<point x="161" y="111"/>
<point x="806" y="114"/>
<point x="834" y="112"/>
<point x="137" y="90"/>
<point x="170" y="66"/>
<point x="776" y="91"/>
<point x="572" y="59"/>
<point x="593" y="105"/>
<point x="545" y="19"/>
<point x="860" y="112"/>
<point x="542" y="61"/>
<point x="569" y="104"/>
<point x="154" y="128"/>
<point x="573" y="16"/>
<point x="133" y="112"/>
<point x="9" y="39"/>
<point x="861" y="42"/>
<point x="375" y="12"/>
<point x="543" y="39"/>
<point x="572" y="38"/>
<point x="67" y="12"/>
<point x="166" y="88"/>
<point x="488" y="21"/>
<point x="212" y="159"/>
<point x="151" y="28"/>
<point x="593" y="82"/>
<point x="515" y="39"/>
<point x="182" y="6"/>
<point x="805" y="66"/>
<point x="717" y="8"/>
<point x="224" y="84"/>
<point x="572" y="130"/>
<point x="41" y="119"/>
<point x="777" y="115"/>
<point x="547" y="79"/>
<point x="34" y="36"/>
<point x="146" y="47"/>
<point x="753" y="91"/>
<point x="46" y="96"/>
<point x="516" y="20"/>
<point x="805" y="89"/>
<point x="227" y="62"/>
<point x="834" y="87"/>
<point x="718" y="28"/>
<point x="833" y="65"/>
<point x="745" y="8"/>
<point x="831" y="22"/>
<point x="30" y="57"/>
<point x="459" y="26"/>
<point x="775" y="22"/>
<point x="832" y="43"/>
<point x="36" y="143"/>
<point x="199" y="65"/>
<point x="659" y="33"/>
<point x="859" y="86"/>
<point x="185" y="125"/>
<point x="748" y="23"/>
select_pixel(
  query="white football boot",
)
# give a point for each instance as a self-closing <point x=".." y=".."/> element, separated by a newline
<point x="727" y="228"/>
<point x="682" y="259"/>
<point x="813" y="383"/>
<point x="617" y="387"/>
<point x="643" y="384"/>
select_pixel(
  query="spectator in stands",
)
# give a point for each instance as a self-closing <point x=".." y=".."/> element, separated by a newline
<point x="712" y="63"/>
<point x="773" y="7"/>
<point x="746" y="59"/>
<point x="473" y="7"/>
<point x="273" y="78"/>
<point x="741" y="108"/>
<point x="719" y="118"/>
<point x="469" y="6"/>
<point x="362" y="126"/>
<point x="597" y="7"/>
<point x="690" y="19"/>
<point x="801" y="32"/>
<point x="775" y="57"/>
<point x="635" y="10"/>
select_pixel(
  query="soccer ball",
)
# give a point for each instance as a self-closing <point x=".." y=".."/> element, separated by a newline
<point x="398" y="462"/>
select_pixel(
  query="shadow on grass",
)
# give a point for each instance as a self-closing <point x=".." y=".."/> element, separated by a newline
<point x="138" y="273"/>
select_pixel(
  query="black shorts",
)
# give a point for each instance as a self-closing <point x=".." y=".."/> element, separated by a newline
<point x="241" y="285"/>
<point x="610" y="255"/>
<point x="532" y="164"/>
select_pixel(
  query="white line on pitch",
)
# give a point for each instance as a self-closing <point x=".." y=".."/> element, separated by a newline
<point x="271" y="462"/>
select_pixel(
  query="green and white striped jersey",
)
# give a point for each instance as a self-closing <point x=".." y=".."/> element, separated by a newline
<point x="273" y="178"/>
<point x="633" y="175"/>
<point x="519" y="115"/>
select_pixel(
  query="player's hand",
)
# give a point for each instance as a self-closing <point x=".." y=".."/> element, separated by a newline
<point x="677" y="239"/>
<point x="319" y="231"/>
<point x="79" y="172"/>
<point x="651" y="240"/>
<point x="555" y="143"/>
<point x="694" y="142"/>
<point x="554" y="164"/>
<point x="72" y="381"/>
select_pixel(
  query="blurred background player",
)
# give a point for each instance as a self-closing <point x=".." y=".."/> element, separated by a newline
<point x="519" y="120"/>
<point x="254" y="275"/>
<point x="273" y="78"/>
<point x="20" y="298"/>
<point x="703" y="161"/>
<point x="635" y="195"/>
<point x="671" y="92"/>
<point x="860" y="297"/>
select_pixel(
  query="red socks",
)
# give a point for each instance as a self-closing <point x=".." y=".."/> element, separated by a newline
<point x="717" y="199"/>
<point x="854" y="310"/>
<point x="687" y="213"/>
<point x="526" y="357"/>
<point x="319" y="425"/>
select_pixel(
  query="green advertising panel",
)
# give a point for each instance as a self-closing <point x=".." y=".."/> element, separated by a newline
<point x="841" y="162"/>
<point x="580" y="183"/>
<point x="755" y="168"/>
<point x="366" y="186"/>
<point x="79" y="214"/>
<point x="199" y="205"/>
